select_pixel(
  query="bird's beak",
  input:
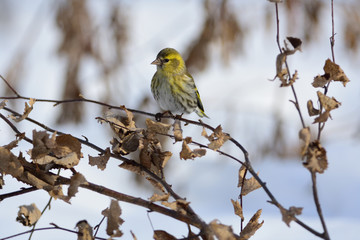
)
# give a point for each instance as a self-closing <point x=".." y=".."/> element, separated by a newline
<point x="157" y="62"/>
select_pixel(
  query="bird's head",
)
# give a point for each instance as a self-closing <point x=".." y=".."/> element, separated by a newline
<point x="170" y="61"/>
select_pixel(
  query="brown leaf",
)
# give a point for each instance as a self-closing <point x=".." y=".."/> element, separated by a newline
<point x="336" y="73"/>
<point x="100" y="161"/>
<point x="315" y="158"/>
<point x="217" y="138"/>
<point x="222" y="232"/>
<point x="177" y="130"/>
<point x="27" y="111"/>
<point x="248" y="185"/>
<point x="28" y="215"/>
<point x="113" y="219"/>
<point x="305" y="135"/>
<point x="3" y="104"/>
<point x="311" y="110"/>
<point x="327" y="102"/>
<point x="295" y="42"/>
<point x="187" y="153"/>
<point x="75" y="181"/>
<point x="156" y="184"/>
<point x="163" y="235"/>
<point x="321" y="81"/>
<point x="156" y="197"/>
<point x="85" y="229"/>
<point x="132" y="167"/>
<point x="179" y="205"/>
<point x="252" y="226"/>
<point x="238" y="209"/>
<point x="10" y="164"/>
<point x="323" y="117"/>
<point x="157" y="127"/>
<point x="289" y="215"/>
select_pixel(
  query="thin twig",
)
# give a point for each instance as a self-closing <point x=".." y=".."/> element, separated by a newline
<point x="318" y="206"/>
<point x="17" y="193"/>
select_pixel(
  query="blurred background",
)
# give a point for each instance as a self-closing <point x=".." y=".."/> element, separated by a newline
<point x="103" y="50"/>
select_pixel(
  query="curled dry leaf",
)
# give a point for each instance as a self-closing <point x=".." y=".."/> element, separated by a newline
<point x="157" y="127"/>
<point x="85" y="229"/>
<point x="179" y="205"/>
<point x="321" y="81"/>
<point x="217" y="138"/>
<point x="315" y="158"/>
<point x="100" y="161"/>
<point x="222" y="232"/>
<point x="131" y="166"/>
<point x="327" y="102"/>
<point x="335" y="72"/>
<point x="163" y="235"/>
<point x="113" y="219"/>
<point x="3" y="104"/>
<point x="248" y="185"/>
<point x="75" y="181"/>
<point x="63" y="150"/>
<point x="10" y="164"/>
<point x="289" y="215"/>
<point x="305" y="135"/>
<point x="28" y="215"/>
<point x="27" y="111"/>
<point x="156" y="197"/>
<point x="187" y="153"/>
<point x="295" y="42"/>
<point x="177" y="130"/>
<point x="238" y="209"/>
<point x="311" y="110"/>
<point x="252" y="226"/>
<point x="156" y="184"/>
<point x="127" y="137"/>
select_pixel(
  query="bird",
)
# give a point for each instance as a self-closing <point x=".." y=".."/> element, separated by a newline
<point x="172" y="85"/>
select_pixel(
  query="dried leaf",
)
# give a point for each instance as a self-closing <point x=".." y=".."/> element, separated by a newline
<point x="217" y="138"/>
<point x="238" y="209"/>
<point x="336" y="73"/>
<point x="323" y="117"/>
<point x="179" y="205"/>
<point x="177" y="130"/>
<point x="252" y="226"/>
<point x="187" y="153"/>
<point x="157" y="127"/>
<point x="315" y="158"/>
<point x="101" y="160"/>
<point x="327" y="102"/>
<point x="28" y="215"/>
<point x="27" y="111"/>
<point x="162" y="235"/>
<point x="85" y="229"/>
<point x="321" y="81"/>
<point x="3" y="104"/>
<point x="248" y="185"/>
<point x="295" y="42"/>
<point x="10" y="164"/>
<point x="311" y="110"/>
<point x="156" y="197"/>
<point x="289" y="215"/>
<point x="132" y="167"/>
<point x="222" y="232"/>
<point x="305" y="135"/>
<point x="113" y="219"/>
<point x="75" y="181"/>
<point x="156" y="184"/>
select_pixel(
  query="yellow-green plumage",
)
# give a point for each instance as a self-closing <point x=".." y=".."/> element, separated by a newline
<point x="173" y="87"/>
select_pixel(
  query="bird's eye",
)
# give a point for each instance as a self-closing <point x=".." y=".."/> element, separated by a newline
<point x="166" y="60"/>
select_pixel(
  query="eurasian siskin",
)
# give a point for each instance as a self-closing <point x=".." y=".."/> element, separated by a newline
<point x="172" y="85"/>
